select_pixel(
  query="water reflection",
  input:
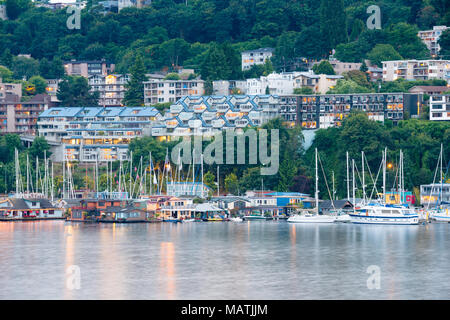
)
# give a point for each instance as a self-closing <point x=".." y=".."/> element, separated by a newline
<point x="250" y="260"/>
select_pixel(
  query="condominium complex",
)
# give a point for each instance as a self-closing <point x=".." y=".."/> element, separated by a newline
<point x="95" y="133"/>
<point x="318" y="83"/>
<point x="433" y="194"/>
<point x="111" y="88"/>
<point x="431" y="38"/>
<point x="341" y="67"/>
<point x="323" y="111"/>
<point x="88" y="68"/>
<point x="416" y="70"/>
<point x="255" y="57"/>
<point x="228" y="87"/>
<point x="163" y="91"/>
<point x="21" y="117"/>
<point x="207" y="115"/>
<point x="274" y="83"/>
<point x="440" y="107"/>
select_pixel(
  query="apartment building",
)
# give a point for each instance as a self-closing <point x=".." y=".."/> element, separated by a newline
<point x="208" y="115"/>
<point x="274" y="83"/>
<point x="254" y="57"/>
<point x="319" y="83"/>
<point x="21" y="117"/>
<point x="229" y="87"/>
<point x="10" y="89"/>
<point x="341" y="67"/>
<point x="163" y="91"/>
<point x="324" y="111"/>
<point x="440" y="107"/>
<point x="431" y="38"/>
<point x="111" y="88"/>
<point x="416" y="70"/>
<point x="86" y="68"/>
<point x="89" y="134"/>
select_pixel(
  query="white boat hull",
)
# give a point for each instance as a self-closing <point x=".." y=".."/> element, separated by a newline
<point x="311" y="219"/>
<point x="237" y="219"/>
<point x="343" y="218"/>
<point x="399" y="220"/>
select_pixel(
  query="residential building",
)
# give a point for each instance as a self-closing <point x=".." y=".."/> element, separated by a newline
<point x="255" y="57"/>
<point x="319" y="83"/>
<point x="208" y="115"/>
<point x="86" y="68"/>
<point x="274" y="83"/>
<point x="163" y="91"/>
<point x="21" y="117"/>
<point x="52" y="89"/>
<point x="416" y="70"/>
<point x="440" y="107"/>
<point x="375" y="74"/>
<point x="323" y="111"/>
<point x="9" y="89"/>
<point x="90" y="134"/>
<point x="432" y="194"/>
<point x="228" y="87"/>
<point x="132" y="3"/>
<point x="430" y="90"/>
<point x="111" y="88"/>
<point x="28" y="208"/>
<point x="341" y="67"/>
<point x="431" y="38"/>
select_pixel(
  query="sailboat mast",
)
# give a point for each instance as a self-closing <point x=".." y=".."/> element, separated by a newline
<point x="348" y="179"/>
<point x="384" y="174"/>
<point x="202" y="175"/>
<point x="218" y="185"/>
<point x="353" y="183"/>
<point x="363" y="177"/>
<point x="442" y="172"/>
<point x="317" y="185"/>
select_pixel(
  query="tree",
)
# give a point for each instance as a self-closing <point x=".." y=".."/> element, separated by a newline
<point x="213" y="66"/>
<point x="74" y="91"/>
<point x="383" y="52"/>
<point x="324" y="67"/>
<point x="333" y="26"/>
<point x="134" y="96"/>
<point x="172" y="76"/>
<point x="444" y="43"/>
<point x="14" y="8"/>
<point x="359" y="77"/>
<point x="210" y="180"/>
<point x="24" y="67"/>
<point x="39" y="148"/>
<point x="232" y="184"/>
<point x="39" y="84"/>
<point x="303" y="90"/>
<point x="5" y="74"/>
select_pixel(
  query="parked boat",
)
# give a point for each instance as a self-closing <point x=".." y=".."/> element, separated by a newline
<point x="256" y="216"/>
<point x="236" y="219"/>
<point x="384" y="214"/>
<point x="313" y="217"/>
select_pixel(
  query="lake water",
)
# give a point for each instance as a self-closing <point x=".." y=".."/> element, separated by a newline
<point x="222" y="260"/>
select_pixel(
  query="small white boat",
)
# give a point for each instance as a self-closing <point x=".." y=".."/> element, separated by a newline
<point x="311" y="218"/>
<point x="188" y="220"/>
<point x="342" y="218"/>
<point x="236" y="219"/>
<point x="441" y="215"/>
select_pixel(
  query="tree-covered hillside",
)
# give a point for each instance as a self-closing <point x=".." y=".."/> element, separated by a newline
<point x="203" y="33"/>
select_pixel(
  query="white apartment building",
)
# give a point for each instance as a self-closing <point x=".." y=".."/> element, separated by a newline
<point x="9" y="89"/>
<point x="111" y="88"/>
<point x="254" y="57"/>
<point x="440" y="107"/>
<point x="416" y="70"/>
<point x="431" y="38"/>
<point x="274" y="83"/>
<point x="162" y="91"/>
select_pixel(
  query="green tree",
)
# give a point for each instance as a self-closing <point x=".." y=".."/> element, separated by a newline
<point x="74" y="91"/>
<point x="210" y="181"/>
<point x="14" y="8"/>
<point x="134" y="96"/>
<point x="383" y="52"/>
<point x="304" y="90"/>
<point x="39" y="84"/>
<point x="39" y="148"/>
<point x="324" y="67"/>
<point x="333" y="26"/>
<point x="232" y="184"/>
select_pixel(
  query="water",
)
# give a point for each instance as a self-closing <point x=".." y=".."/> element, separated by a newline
<point x="250" y="260"/>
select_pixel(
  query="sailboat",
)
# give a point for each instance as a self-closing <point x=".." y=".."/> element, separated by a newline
<point x="382" y="213"/>
<point x="440" y="212"/>
<point x="313" y="217"/>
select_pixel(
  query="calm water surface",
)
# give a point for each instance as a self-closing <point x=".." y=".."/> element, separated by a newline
<point x="250" y="260"/>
